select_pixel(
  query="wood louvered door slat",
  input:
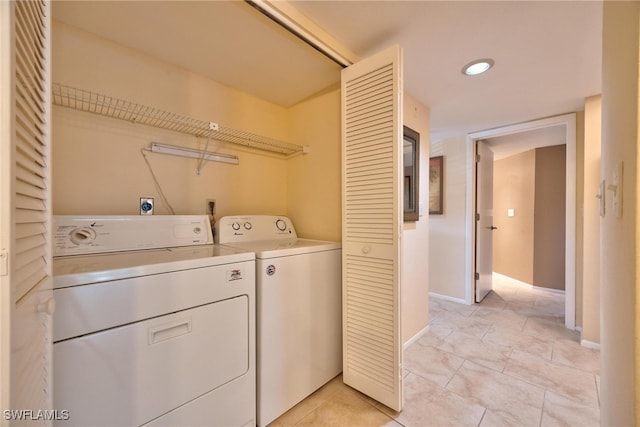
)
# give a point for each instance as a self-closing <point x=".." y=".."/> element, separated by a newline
<point x="26" y="296"/>
<point x="371" y="226"/>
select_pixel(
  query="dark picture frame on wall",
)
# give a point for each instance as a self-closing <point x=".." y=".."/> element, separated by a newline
<point x="411" y="165"/>
<point x="436" y="185"/>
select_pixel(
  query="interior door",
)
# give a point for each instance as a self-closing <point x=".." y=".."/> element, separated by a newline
<point x="26" y="303"/>
<point x="372" y="225"/>
<point x="484" y="220"/>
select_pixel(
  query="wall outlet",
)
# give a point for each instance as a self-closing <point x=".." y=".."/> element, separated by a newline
<point x="146" y="205"/>
<point x="210" y="208"/>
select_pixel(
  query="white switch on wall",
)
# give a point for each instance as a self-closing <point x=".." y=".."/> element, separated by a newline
<point x="511" y="212"/>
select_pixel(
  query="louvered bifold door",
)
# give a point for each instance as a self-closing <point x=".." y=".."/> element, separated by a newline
<point x="371" y="226"/>
<point x="25" y="206"/>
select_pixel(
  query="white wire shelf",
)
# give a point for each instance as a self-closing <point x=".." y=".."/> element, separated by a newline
<point x="91" y="102"/>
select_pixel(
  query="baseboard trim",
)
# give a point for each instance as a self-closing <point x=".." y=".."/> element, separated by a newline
<point x="448" y="298"/>
<point x="520" y="282"/>
<point x="416" y="337"/>
<point x="590" y="344"/>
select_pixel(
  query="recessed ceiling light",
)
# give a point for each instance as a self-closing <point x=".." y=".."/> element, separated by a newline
<point x="478" y="66"/>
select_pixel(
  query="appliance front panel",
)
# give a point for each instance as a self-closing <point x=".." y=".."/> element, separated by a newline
<point x="85" y="309"/>
<point x="248" y="228"/>
<point x="75" y="235"/>
<point x="130" y="375"/>
<point x="299" y="307"/>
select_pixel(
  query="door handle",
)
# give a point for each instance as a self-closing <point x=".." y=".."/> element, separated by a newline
<point x="168" y="331"/>
<point x="492" y="228"/>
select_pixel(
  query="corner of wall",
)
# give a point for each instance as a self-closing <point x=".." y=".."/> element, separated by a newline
<point x="447" y="232"/>
<point x="415" y="240"/>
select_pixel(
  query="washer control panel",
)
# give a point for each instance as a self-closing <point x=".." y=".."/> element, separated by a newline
<point x="74" y="235"/>
<point x="253" y="227"/>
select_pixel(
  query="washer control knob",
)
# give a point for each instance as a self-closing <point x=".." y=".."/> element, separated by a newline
<point x="248" y="226"/>
<point x="235" y="226"/>
<point x="281" y="225"/>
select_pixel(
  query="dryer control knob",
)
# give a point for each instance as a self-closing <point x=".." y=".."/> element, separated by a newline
<point x="281" y="225"/>
<point x="235" y="226"/>
<point x="82" y="236"/>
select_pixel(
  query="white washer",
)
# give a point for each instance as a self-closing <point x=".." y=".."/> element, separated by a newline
<point x="154" y="324"/>
<point x="299" y="309"/>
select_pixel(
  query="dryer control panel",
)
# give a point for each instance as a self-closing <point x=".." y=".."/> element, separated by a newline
<point x="248" y="228"/>
<point x="75" y="235"/>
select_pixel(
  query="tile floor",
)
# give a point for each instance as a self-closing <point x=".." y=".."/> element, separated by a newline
<point x="508" y="361"/>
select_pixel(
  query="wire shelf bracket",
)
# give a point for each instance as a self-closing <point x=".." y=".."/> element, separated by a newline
<point x="92" y="102"/>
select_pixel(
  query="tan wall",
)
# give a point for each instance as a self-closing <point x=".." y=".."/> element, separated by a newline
<point x="513" y="241"/>
<point x="97" y="164"/>
<point x="315" y="179"/>
<point x="549" y="217"/>
<point x="530" y="246"/>
<point x="447" y="232"/>
<point x="98" y="168"/>
<point x="591" y="220"/>
<point x="619" y="236"/>
<point x="415" y="235"/>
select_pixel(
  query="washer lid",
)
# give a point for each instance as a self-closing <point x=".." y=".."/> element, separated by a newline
<point x="285" y="247"/>
<point x="85" y="269"/>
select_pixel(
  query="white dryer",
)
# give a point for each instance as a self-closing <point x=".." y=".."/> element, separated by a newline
<point x="155" y="325"/>
<point x="299" y="309"/>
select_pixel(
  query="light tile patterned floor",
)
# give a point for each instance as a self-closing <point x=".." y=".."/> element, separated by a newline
<point x="508" y="361"/>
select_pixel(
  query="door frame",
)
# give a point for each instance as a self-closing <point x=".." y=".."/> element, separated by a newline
<point x="569" y="123"/>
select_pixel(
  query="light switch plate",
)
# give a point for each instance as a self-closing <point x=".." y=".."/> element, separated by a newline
<point x="511" y="212"/>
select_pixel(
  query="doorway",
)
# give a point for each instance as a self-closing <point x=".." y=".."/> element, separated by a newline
<point x="567" y="124"/>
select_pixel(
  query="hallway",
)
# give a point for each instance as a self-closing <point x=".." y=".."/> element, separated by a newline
<point x="506" y="361"/>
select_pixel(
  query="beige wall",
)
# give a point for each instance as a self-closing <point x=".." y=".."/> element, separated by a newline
<point x="415" y="236"/>
<point x="513" y="241"/>
<point x="591" y="222"/>
<point x="529" y="246"/>
<point x="447" y="232"/>
<point x="98" y="168"/>
<point x="315" y="178"/>
<point x="619" y="247"/>
<point x="97" y="165"/>
<point x="549" y="218"/>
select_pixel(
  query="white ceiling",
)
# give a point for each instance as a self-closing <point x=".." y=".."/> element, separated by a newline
<point x="547" y="53"/>
<point x="512" y="144"/>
